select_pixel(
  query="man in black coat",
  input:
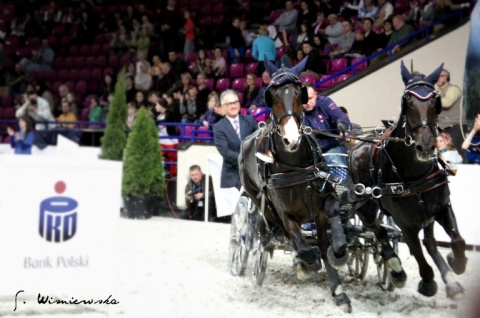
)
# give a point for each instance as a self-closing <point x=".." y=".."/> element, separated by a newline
<point x="228" y="134"/>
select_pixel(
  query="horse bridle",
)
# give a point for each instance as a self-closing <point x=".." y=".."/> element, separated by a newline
<point x="410" y="89"/>
<point x="282" y="79"/>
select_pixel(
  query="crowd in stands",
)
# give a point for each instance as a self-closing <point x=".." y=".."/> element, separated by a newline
<point x="67" y="54"/>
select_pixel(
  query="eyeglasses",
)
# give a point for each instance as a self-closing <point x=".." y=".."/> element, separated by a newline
<point x="443" y="75"/>
<point x="234" y="103"/>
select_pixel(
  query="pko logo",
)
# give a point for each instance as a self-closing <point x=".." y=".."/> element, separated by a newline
<point x="58" y="216"/>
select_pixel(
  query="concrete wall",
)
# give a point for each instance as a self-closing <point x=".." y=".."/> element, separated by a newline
<point x="377" y="96"/>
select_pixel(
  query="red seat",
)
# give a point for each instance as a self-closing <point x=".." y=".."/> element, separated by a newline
<point x="6" y="101"/>
<point x="217" y="19"/>
<point x="325" y="85"/>
<point x="100" y="61"/>
<point x="248" y="56"/>
<point x="59" y="30"/>
<point x="63" y="75"/>
<point x="338" y="64"/>
<point x="84" y="50"/>
<point x="209" y="83"/>
<point x="95" y="49"/>
<point x="33" y="42"/>
<point x="363" y="64"/>
<point x="341" y="78"/>
<point x="90" y="61"/>
<point x="80" y="88"/>
<point x="238" y="84"/>
<point x="113" y="61"/>
<point x="106" y="48"/>
<point x="204" y="134"/>
<point x="310" y="79"/>
<point x="99" y="39"/>
<point x="12" y="41"/>
<point x="79" y="61"/>
<point x="280" y="52"/>
<point x="69" y="62"/>
<point x="236" y="70"/>
<point x="73" y="50"/>
<point x="243" y="111"/>
<point x="264" y="116"/>
<point x="9" y="113"/>
<point x="192" y="57"/>
<point x="206" y="21"/>
<point x="70" y="85"/>
<point x="84" y="74"/>
<point x="96" y="74"/>
<point x="251" y="68"/>
<point x="73" y="74"/>
<point x="222" y="84"/>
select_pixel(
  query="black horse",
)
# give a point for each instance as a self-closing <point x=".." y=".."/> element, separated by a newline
<point x="283" y="172"/>
<point x="405" y="179"/>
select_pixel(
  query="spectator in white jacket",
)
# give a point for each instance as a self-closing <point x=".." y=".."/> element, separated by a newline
<point x="38" y="109"/>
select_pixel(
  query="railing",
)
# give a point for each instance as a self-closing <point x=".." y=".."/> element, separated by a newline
<point x="387" y="51"/>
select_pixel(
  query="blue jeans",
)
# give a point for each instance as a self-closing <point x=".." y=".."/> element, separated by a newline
<point x="336" y="160"/>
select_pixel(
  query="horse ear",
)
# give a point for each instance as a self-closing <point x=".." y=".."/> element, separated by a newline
<point x="300" y="66"/>
<point x="433" y="78"/>
<point x="406" y="76"/>
<point x="269" y="66"/>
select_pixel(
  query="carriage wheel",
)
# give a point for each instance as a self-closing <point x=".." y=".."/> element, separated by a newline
<point x="241" y="232"/>
<point x="260" y="253"/>
<point x="359" y="259"/>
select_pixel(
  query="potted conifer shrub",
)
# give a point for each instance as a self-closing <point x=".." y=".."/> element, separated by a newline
<point x="115" y="137"/>
<point x="143" y="181"/>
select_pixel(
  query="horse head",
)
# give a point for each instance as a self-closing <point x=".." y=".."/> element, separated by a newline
<point x="420" y="107"/>
<point x="285" y="95"/>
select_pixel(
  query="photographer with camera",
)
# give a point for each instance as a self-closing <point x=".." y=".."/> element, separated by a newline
<point x="36" y="108"/>
<point x="195" y="195"/>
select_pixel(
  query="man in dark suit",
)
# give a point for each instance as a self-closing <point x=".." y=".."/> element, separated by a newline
<point x="228" y="134"/>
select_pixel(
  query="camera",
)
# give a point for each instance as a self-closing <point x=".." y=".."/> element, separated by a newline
<point x="191" y="194"/>
<point x="33" y="101"/>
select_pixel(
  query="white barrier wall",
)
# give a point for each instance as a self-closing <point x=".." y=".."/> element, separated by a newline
<point x="58" y="226"/>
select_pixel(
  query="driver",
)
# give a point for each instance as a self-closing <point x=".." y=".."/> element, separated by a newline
<point x="321" y="113"/>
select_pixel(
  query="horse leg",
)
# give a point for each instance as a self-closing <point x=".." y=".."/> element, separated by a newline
<point x="336" y="288"/>
<point x="457" y="260"/>
<point x="454" y="289"/>
<point x="304" y="257"/>
<point x="337" y="252"/>
<point x="427" y="286"/>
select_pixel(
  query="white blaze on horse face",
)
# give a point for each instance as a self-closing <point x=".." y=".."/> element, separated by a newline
<point x="291" y="132"/>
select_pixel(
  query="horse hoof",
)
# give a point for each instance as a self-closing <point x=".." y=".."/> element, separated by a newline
<point x="458" y="264"/>
<point x="315" y="267"/>
<point x="337" y="262"/>
<point x="343" y="302"/>
<point x="302" y="271"/>
<point x="455" y="291"/>
<point x="427" y="289"/>
<point x="398" y="279"/>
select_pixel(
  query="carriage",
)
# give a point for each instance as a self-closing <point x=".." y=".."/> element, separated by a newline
<point x="283" y="173"/>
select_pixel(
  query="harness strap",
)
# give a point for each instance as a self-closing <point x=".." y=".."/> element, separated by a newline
<point x="433" y="181"/>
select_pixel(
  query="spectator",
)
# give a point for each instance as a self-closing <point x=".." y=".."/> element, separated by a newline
<point x="248" y="35"/>
<point x="23" y="140"/>
<point x="85" y="29"/>
<point x="214" y="113"/>
<point x="323" y="114"/>
<point x="37" y="108"/>
<point x="142" y="42"/>
<point x="171" y="20"/>
<point x="188" y="107"/>
<point x="306" y="15"/>
<point x="132" y="110"/>
<point x="301" y="35"/>
<point x="314" y="64"/>
<point x="317" y="43"/>
<point x="273" y="34"/>
<point x="236" y="47"/>
<point x="201" y="63"/>
<point x="146" y="24"/>
<point x="203" y="93"/>
<point x="367" y="42"/>
<point x="43" y="91"/>
<point x="219" y="64"/>
<point x="131" y="69"/>
<point x="156" y="64"/>
<point x="451" y="117"/>
<point x="445" y="7"/>
<point x="384" y="12"/>
<point x="250" y="92"/>
<point x="288" y="19"/>
<point x="140" y="100"/>
<point x="447" y="152"/>
<point x="131" y="90"/>
<point x="346" y="41"/>
<point x="122" y="41"/>
<point x="386" y="33"/>
<point x="166" y="133"/>
<point x="421" y="12"/>
<point x="260" y="100"/>
<point x="41" y="60"/>
<point x="178" y="66"/>
<point x="67" y="116"/>
<point x="402" y="30"/>
<point x="141" y="58"/>
<point x="320" y="23"/>
<point x="195" y="195"/>
<point x="228" y="134"/>
<point x="189" y="31"/>
<point x="73" y="102"/>
<point x="109" y="86"/>
<point x="365" y="9"/>
<point x="333" y="32"/>
<point x="263" y="46"/>
<point x="143" y="79"/>
<point x="96" y="111"/>
<point x="165" y="79"/>
<point x="17" y="80"/>
<point x="471" y="144"/>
